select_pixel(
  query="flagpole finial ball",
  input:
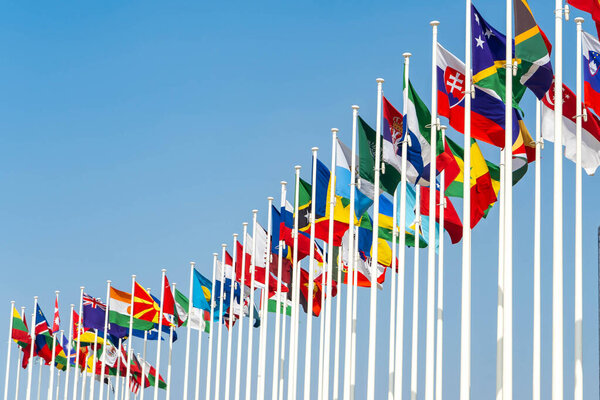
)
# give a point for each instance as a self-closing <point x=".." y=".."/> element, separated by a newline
<point x="192" y="263"/>
<point x="270" y="198"/>
<point x="334" y="130"/>
<point x="163" y="270"/>
<point x="72" y="305"/>
<point x="355" y="107"/>
<point x="443" y="127"/>
<point x="245" y="224"/>
<point x="380" y="80"/>
<point x="283" y="183"/>
<point x="434" y="23"/>
<point x="255" y="211"/>
<point x="133" y="276"/>
<point x="223" y="245"/>
<point x="12" y="302"/>
<point x="215" y="255"/>
<point x="35" y="297"/>
<point x="579" y="20"/>
<point x="406" y="55"/>
<point x="81" y="287"/>
<point x="297" y="167"/>
<point x="235" y="235"/>
<point x="315" y="149"/>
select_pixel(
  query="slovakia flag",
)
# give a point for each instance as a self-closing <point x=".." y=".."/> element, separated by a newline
<point x="591" y="66"/>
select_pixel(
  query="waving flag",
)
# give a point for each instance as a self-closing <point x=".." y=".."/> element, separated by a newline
<point x="590" y="6"/>
<point x="591" y="65"/>
<point x="343" y="164"/>
<point x="590" y="134"/>
<point x="56" y="320"/>
<point x="119" y="311"/>
<point x="452" y="223"/>
<point x="94" y="314"/>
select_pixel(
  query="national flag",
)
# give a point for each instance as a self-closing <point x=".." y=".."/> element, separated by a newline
<point x="533" y="49"/>
<point x="119" y="311"/>
<point x="150" y="378"/>
<point x="590" y="6"/>
<point x="386" y="218"/>
<point x="285" y="306"/>
<point x="56" y="320"/>
<point x="318" y="287"/>
<point x="43" y="336"/>
<point x="591" y="65"/>
<point x="259" y="271"/>
<point x="286" y="228"/>
<point x="343" y="165"/>
<point x="411" y="218"/>
<point x="483" y="194"/>
<point x="452" y="223"/>
<point x="590" y="133"/>
<point x="202" y="293"/>
<point x="20" y="335"/>
<point x="363" y="262"/>
<point x="94" y="314"/>
<point x="389" y="177"/>
<point x="145" y="308"/>
<point x="195" y="317"/>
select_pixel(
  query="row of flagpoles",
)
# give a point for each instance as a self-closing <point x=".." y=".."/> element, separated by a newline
<point x="230" y="295"/>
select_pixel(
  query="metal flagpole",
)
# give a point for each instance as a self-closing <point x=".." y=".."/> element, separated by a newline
<point x="398" y="368"/>
<point x="52" y="359"/>
<point x="500" y="306"/>
<point x="329" y="274"/>
<point x="170" y="355"/>
<point x="220" y="323"/>
<point x="536" y="368"/>
<point x="62" y="334"/>
<point x="440" y="291"/>
<point x="230" y="332"/>
<point x="374" y="259"/>
<point x="104" y="338"/>
<point x="430" y="310"/>
<point x="578" y="389"/>
<point x="507" y="347"/>
<point x="39" y="386"/>
<point x="465" y="315"/>
<point x="351" y="282"/>
<point x="79" y="325"/>
<point x="20" y="362"/>
<point x="144" y="357"/>
<point x="278" y="316"/>
<point x="10" y="328"/>
<point x="238" y="368"/>
<point x="84" y="378"/>
<point x="212" y="318"/>
<point x="118" y="377"/>
<point x="322" y="333"/>
<point x="32" y="334"/>
<point x="392" y="355"/>
<point x="338" y="311"/>
<point x="415" y="312"/>
<point x="282" y="357"/>
<point x="198" y="356"/>
<point x="262" y="347"/>
<point x="93" y="368"/>
<point x="68" y="366"/>
<point x="311" y="283"/>
<point x="557" y="247"/>
<point x="248" y="387"/>
<point x="354" y="312"/>
<point x="160" y="318"/>
<point x="189" y="334"/>
<point x="292" y="372"/>
<point x="129" y="349"/>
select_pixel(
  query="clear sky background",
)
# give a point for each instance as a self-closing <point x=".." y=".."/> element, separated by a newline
<point x="139" y="136"/>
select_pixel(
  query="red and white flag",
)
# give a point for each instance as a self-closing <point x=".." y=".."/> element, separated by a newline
<point x="56" y="321"/>
<point x="590" y="133"/>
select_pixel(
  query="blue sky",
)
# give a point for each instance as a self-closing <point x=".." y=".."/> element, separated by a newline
<point x="139" y="136"/>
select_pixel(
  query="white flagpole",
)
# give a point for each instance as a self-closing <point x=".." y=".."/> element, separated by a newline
<point x="10" y="328"/>
<point x="68" y="367"/>
<point x="354" y="312"/>
<point x="52" y="359"/>
<point x="578" y="390"/>
<point x="329" y="274"/>
<point x="118" y="379"/>
<point x="220" y="323"/>
<point x="392" y="348"/>
<point x="79" y="325"/>
<point x="93" y="373"/>
<point x="19" y="364"/>
<point x="238" y="364"/>
<point x="39" y="386"/>
<point x="62" y="334"/>
<point x="322" y="334"/>
<point x="129" y="347"/>
<point x="440" y="292"/>
<point x="248" y="387"/>
<point x="415" y="312"/>
<point x="188" y="337"/>
<point x="210" y="341"/>
<point x="144" y="363"/>
<point x="231" y="310"/>
<point x="102" y="374"/>
<point x="160" y="318"/>
<point x="278" y="316"/>
<point x="500" y="307"/>
<point x="262" y="347"/>
<point x="465" y="314"/>
<point x="311" y="283"/>
<point x="198" y="356"/>
<point x="398" y="367"/>
<point x="292" y="370"/>
<point x="537" y="256"/>
<point x="338" y="312"/>
<point x="84" y="378"/>
<point x="170" y="355"/>
<point x="507" y="348"/>
<point x="374" y="259"/>
<point x="430" y="310"/>
<point x="282" y="357"/>
<point x="351" y="282"/>
<point x="557" y="247"/>
<point x="32" y="334"/>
